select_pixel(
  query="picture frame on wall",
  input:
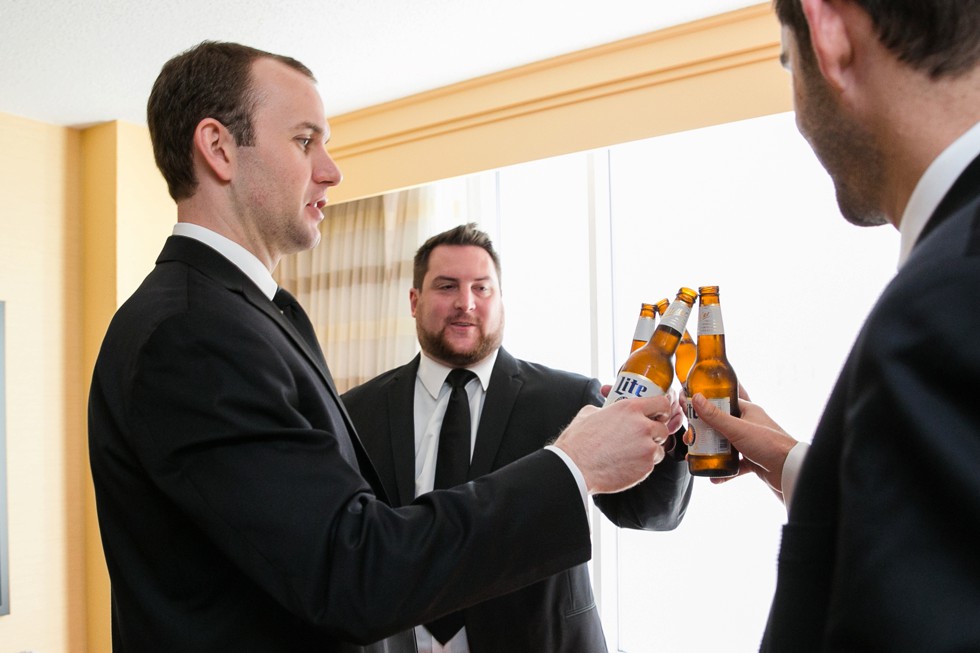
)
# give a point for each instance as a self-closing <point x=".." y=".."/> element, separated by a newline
<point x="4" y="568"/>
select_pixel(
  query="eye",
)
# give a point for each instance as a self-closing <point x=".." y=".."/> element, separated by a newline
<point x="304" y="142"/>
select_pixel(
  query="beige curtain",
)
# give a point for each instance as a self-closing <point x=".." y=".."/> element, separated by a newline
<point x="355" y="283"/>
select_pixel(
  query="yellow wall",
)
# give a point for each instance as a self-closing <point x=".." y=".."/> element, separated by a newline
<point x="40" y="281"/>
<point x="84" y="214"/>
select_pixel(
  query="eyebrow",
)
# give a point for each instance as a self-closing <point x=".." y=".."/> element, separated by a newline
<point x="315" y="128"/>
<point x="443" y="277"/>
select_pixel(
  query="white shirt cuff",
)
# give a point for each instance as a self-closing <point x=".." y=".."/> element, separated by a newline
<point x="791" y="470"/>
<point x="576" y="473"/>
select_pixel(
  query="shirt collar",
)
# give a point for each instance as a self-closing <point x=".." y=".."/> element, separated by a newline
<point x="939" y="177"/>
<point x="433" y="375"/>
<point x="241" y="257"/>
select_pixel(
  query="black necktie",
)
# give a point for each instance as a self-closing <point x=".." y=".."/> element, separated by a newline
<point x="290" y="308"/>
<point x="453" y="460"/>
<point x="292" y="311"/>
<point x="452" y="467"/>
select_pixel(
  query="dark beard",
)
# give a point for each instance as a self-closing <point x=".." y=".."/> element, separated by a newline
<point x="435" y="346"/>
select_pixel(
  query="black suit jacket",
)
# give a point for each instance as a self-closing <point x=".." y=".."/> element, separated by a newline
<point x="231" y="490"/>
<point x="526" y="406"/>
<point x="880" y="549"/>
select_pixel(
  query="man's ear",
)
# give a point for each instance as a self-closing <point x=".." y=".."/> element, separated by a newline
<point x="413" y="299"/>
<point x="831" y="39"/>
<point x="215" y="147"/>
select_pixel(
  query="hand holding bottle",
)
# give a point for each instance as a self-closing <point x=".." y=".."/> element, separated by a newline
<point x="763" y="444"/>
<point x="616" y="447"/>
<point x="675" y="418"/>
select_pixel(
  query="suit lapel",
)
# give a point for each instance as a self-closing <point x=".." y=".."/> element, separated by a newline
<point x="211" y="263"/>
<point x="400" y="404"/>
<point x="313" y="353"/>
<point x="505" y="385"/>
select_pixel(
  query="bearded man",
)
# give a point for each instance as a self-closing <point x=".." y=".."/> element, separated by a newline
<point x="514" y="408"/>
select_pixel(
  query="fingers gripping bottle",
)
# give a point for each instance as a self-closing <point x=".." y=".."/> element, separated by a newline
<point x="712" y="375"/>
<point x="649" y="370"/>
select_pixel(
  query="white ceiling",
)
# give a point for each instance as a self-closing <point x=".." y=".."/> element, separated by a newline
<point x="79" y="62"/>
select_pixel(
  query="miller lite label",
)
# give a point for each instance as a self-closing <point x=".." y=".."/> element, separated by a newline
<point x="629" y="385"/>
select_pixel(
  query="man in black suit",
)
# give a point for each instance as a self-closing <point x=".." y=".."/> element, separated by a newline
<point x="236" y="503"/>
<point x="515" y="408"/>
<point x="879" y="551"/>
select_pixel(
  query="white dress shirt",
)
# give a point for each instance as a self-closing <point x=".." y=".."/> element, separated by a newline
<point x="938" y="178"/>
<point x="431" y="399"/>
<point x="243" y="259"/>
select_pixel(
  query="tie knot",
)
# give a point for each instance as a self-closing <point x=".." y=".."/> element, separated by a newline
<point x="283" y="299"/>
<point x="459" y="377"/>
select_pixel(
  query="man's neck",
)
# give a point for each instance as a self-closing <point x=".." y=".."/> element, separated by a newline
<point x="202" y="210"/>
<point x="920" y="125"/>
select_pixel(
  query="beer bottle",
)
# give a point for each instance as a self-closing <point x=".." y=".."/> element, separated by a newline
<point x="684" y="358"/>
<point x="645" y="324"/>
<point x="649" y="370"/>
<point x="712" y="375"/>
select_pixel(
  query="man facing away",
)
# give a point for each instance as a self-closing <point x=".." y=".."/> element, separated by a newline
<point x="879" y="551"/>
<point x="516" y="407"/>
<point x="237" y="505"/>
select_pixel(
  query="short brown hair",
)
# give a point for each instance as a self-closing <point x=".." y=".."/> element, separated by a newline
<point x="210" y="80"/>
<point x="462" y="236"/>
<point x="938" y="37"/>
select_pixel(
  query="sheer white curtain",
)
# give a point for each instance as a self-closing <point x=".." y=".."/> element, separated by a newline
<point x="355" y="283"/>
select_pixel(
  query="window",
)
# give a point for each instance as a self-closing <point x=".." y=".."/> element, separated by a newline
<point x="585" y="238"/>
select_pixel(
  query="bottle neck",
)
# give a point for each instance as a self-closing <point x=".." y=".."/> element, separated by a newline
<point x="667" y="335"/>
<point x="711" y="346"/>
<point x="711" y="331"/>
<point x="644" y="329"/>
<point x="709" y="321"/>
<point x="665" y="339"/>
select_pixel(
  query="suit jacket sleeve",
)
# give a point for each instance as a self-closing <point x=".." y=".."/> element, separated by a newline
<point x="658" y="503"/>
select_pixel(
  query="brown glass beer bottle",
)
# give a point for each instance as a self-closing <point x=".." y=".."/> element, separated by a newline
<point x="712" y="375"/>
<point x="684" y="358"/>
<point x="649" y="370"/>
<point x="645" y="324"/>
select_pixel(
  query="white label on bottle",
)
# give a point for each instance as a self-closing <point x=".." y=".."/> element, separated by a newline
<point x="644" y="328"/>
<point x="709" y="320"/>
<point x="707" y="441"/>
<point x="629" y="385"/>
<point x="676" y="316"/>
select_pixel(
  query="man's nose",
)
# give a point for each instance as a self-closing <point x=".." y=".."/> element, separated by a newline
<point x="464" y="300"/>
<point x="325" y="170"/>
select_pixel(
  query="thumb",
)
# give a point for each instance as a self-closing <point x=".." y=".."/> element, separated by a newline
<point x="728" y="425"/>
